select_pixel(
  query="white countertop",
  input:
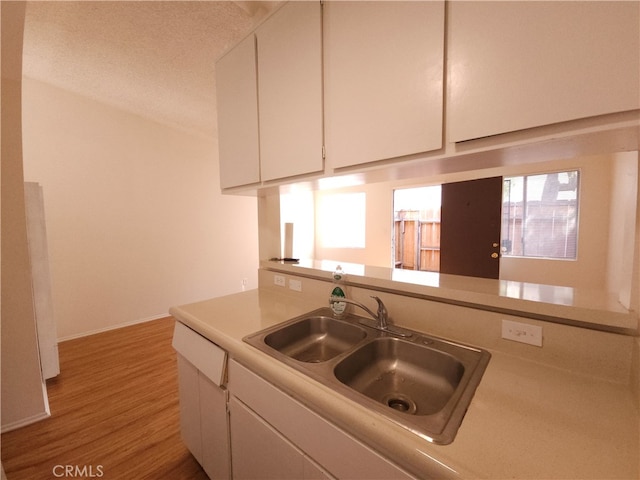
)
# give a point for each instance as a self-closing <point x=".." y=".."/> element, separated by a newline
<point x="526" y="420"/>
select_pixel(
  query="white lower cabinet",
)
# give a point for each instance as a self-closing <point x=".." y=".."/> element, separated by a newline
<point x="203" y="401"/>
<point x="240" y="426"/>
<point x="275" y="436"/>
<point x="259" y="451"/>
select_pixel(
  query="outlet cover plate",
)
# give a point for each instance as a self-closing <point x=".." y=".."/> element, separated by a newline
<point x="295" y="285"/>
<point x="522" y="332"/>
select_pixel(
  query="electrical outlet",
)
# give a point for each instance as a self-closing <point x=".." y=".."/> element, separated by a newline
<point x="279" y="280"/>
<point x="295" y="285"/>
<point x="522" y="332"/>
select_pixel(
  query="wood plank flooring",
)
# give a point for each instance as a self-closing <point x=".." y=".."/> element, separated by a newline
<point x="114" y="412"/>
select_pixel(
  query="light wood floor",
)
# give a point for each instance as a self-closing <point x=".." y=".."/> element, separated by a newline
<point x="114" y="405"/>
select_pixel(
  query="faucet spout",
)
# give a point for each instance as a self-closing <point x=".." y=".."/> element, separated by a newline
<point x="382" y="316"/>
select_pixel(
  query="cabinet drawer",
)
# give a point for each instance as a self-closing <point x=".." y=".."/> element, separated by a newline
<point x="200" y="352"/>
<point x="336" y="451"/>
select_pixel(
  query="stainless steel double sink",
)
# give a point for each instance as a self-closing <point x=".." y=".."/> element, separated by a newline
<point x="422" y="383"/>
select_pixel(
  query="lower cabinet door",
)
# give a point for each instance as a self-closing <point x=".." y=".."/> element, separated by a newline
<point x="190" y="426"/>
<point x="203" y="420"/>
<point x="215" y="433"/>
<point x="294" y="428"/>
<point x="259" y="451"/>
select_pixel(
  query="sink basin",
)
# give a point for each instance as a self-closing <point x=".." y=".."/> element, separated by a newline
<point x="315" y="339"/>
<point x="405" y="376"/>
<point x="422" y="383"/>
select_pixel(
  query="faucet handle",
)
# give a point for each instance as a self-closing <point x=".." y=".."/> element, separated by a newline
<point x="382" y="311"/>
<point x="377" y="299"/>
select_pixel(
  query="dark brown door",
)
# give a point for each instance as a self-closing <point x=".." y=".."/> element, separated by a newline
<point x="470" y="236"/>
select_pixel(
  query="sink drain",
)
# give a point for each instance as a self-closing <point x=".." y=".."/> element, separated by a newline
<point x="400" y="402"/>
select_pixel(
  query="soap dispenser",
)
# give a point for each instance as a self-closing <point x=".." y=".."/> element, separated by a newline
<point x="339" y="308"/>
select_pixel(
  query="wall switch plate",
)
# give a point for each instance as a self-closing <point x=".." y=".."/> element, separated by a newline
<point x="295" y="285"/>
<point x="522" y="332"/>
<point x="279" y="280"/>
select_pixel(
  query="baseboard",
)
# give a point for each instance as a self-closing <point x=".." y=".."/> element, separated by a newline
<point x="24" y="422"/>
<point x="113" y="327"/>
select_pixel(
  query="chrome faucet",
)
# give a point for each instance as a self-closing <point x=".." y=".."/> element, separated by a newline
<point x="382" y="316"/>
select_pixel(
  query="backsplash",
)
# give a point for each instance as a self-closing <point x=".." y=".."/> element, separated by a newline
<point x="607" y="356"/>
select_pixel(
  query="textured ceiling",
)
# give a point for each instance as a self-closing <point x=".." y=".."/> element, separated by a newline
<point x="153" y="58"/>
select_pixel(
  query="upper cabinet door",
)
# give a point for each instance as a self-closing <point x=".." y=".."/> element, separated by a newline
<point x="383" y="79"/>
<point x="237" y="97"/>
<point x="517" y="65"/>
<point x="290" y="86"/>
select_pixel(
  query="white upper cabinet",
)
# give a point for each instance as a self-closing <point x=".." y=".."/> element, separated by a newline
<point x="269" y="93"/>
<point x="383" y="74"/>
<point x="366" y="79"/>
<point x="290" y="91"/>
<point x="237" y="97"/>
<point x="518" y="65"/>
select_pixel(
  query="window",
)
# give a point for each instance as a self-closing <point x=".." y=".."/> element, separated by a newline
<point x="341" y="220"/>
<point x="540" y="215"/>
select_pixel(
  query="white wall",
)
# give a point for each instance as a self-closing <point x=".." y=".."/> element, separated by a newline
<point x="623" y="255"/>
<point x="135" y="220"/>
<point x="24" y="398"/>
